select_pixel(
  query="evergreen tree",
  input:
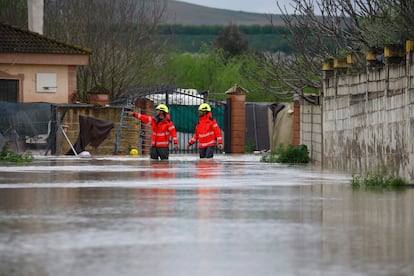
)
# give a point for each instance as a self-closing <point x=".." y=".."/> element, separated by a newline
<point x="232" y="41"/>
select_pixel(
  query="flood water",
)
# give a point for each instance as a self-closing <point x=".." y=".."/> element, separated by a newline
<point x="232" y="215"/>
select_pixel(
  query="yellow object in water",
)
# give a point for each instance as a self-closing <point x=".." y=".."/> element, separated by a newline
<point x="133" y="152"/>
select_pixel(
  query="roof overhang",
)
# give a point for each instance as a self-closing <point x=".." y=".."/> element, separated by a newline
<point x="44" y="59"/>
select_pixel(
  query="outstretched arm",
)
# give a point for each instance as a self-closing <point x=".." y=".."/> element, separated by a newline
<point x="145" y="119"/>
<point x="134" y="114"/>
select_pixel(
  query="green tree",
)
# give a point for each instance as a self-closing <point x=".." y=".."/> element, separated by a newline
<point x="232" y="41"/>
<point x="208" y="70"/>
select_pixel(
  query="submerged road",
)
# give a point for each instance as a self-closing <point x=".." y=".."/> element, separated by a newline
<point x="232" y="215"/>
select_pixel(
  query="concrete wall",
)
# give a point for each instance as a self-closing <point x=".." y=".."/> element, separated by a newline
<point x="310" y="128"/>
<point x="368" y="120"/>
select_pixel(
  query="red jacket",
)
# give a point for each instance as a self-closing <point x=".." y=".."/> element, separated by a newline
<point x="206" y="132"/>
<point x="161" y="131"/>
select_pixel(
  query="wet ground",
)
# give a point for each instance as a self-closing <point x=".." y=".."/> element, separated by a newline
<point x="229" y="216"/>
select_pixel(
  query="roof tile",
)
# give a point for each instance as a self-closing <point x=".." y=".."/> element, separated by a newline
<point x="16" y="40"/>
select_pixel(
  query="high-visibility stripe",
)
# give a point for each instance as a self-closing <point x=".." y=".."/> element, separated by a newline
<point x="206" y="134"/>
<point x="208" y="144"/>
<point x="158" y="143"/>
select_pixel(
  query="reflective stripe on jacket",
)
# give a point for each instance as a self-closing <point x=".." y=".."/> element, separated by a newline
<point x="161" y="131"/>
<point x="206" y="132"/>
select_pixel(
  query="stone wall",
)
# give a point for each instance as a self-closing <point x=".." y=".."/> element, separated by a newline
<point x="71" y="119"/>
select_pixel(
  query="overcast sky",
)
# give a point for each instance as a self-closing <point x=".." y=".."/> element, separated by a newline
<point x="257" y="6"/>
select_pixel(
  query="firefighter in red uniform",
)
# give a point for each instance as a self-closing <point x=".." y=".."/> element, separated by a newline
<point x="162" y="130"/>
<point x="207" y="132"/>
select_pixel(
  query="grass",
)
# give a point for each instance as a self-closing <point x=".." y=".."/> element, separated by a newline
<point x="377" y="180"/>
<point x="7" y="155"/>
<point x="250" y="146"/>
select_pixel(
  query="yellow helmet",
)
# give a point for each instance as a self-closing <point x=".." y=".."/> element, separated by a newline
<point x="204" y="107"/>
<point x="162" y="107"/>
<point x="133" y="152"/>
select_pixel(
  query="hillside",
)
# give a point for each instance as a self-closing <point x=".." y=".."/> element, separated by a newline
<point x="189" y="14"/>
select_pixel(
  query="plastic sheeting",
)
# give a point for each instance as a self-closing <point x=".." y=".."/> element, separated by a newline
<point x="268" y="125"/>
<point x="24" y="119"/>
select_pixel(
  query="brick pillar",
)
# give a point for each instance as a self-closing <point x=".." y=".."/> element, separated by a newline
<point x="237" y="96"/>
<point x="296" y="123"/>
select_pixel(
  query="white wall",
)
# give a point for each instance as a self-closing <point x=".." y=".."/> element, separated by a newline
<point x="368" y="121"/>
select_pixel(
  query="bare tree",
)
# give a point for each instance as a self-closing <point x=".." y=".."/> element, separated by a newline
<point x="321" y="28"/>
<point x="14" y="12"/>
<point x="121" y="34"/>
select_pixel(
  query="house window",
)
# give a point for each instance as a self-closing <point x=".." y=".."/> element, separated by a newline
<point x="9" y="90"/>
<point x="46" y="82"/>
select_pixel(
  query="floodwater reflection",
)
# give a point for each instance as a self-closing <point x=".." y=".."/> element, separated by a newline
<point x="228" y="216"/>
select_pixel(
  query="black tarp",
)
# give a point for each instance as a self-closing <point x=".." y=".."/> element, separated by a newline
<point x="92" y="131"/>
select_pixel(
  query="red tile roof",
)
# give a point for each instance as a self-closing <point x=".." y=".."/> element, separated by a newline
<point x="16" y="40"/>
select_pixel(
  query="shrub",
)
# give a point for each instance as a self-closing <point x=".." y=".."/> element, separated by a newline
<point x="250" y="146"/>
<point x="8" y="155"/>
<point x="291" y="155"/>
<point x="377" y="180"/>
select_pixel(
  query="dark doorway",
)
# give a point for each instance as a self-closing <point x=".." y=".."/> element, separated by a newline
<point x="9" y="90"/>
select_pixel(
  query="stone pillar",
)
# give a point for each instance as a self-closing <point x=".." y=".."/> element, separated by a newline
<point x="237" y="96"/>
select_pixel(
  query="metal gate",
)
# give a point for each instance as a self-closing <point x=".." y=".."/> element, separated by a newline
<point x="183" y="108"/>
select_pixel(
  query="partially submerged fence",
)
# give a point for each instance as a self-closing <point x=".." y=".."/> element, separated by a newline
<point x="24" y="125"/>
